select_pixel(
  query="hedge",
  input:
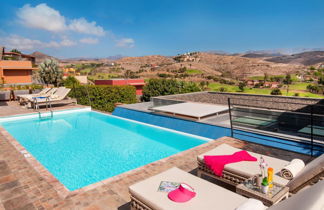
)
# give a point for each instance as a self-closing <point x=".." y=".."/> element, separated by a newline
<point x="161" y="87"/>
<point x="103" y="97"/>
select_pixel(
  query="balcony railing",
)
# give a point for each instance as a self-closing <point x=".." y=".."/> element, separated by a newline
<point x="298" y="124"/>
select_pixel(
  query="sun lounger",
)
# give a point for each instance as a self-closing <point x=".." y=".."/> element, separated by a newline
<point x="29" y="96"/>
<point x="236" y="173"/>
<point x="58" y="97"/>
<point x="145" y="195"/>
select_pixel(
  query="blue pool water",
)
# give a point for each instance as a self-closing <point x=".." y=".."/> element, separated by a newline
<point x="82" y="148"/>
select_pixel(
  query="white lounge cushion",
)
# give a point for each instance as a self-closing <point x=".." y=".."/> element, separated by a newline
<point x="311" y="198"/>
<point x="248" y="168"/>
<point x="252" y="204"/>
<point x="209" y="196"/>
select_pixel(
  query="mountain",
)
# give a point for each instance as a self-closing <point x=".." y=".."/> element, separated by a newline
<point x="261" y="55"/>
<point x="305" y="58"/>
<point x="40" y="57"/>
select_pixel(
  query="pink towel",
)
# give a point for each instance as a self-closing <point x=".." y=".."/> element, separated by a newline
<point x="218" y="162"/>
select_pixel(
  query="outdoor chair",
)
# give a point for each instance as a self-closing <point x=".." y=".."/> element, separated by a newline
<point x="43" y="92"/>
<point x="236" y="173"/>
<point x="145" y="195"/>
<point x="57" y="98"/>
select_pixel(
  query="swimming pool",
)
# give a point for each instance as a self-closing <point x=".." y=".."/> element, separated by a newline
<point x="82" y="148"/>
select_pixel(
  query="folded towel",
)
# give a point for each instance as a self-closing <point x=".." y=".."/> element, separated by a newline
<point x="251" y="204"/>
<point x="292" y="169"/>
<point x="218" y="162"/>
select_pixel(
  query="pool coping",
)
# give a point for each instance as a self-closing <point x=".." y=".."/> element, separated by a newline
<point x="60" y="188"/>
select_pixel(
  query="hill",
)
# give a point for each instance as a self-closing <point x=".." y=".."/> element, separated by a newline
<point x="40" y="57"/>
<point x="305" y="58"/>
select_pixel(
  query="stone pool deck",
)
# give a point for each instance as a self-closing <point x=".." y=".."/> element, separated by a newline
<point x="8" y="108"/>
<point x="23" y="187"/>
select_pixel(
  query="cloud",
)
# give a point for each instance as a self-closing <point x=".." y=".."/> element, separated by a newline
<point x="42" y="17"/>
<point x="22" y="43"/>
<point x="81" y="25"/>
<point x="125" y="43"/>
<point x="89" y="41"/>
<point x="46" y="18"/>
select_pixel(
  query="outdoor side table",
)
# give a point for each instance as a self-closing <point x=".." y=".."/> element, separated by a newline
<point x="274" y="195"/>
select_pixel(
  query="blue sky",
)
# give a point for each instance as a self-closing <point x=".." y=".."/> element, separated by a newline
<point x="101" y="28"/>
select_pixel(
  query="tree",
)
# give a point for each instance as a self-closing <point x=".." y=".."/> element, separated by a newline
<point x="15" y="51"/>
<point x="129" y="74"/>
<point x="266" y="77"/>
<point x="204" y="85"/>
<point x="276" y="91"/>
<point x="50" y="73"/>
<point x="241" y="86"/>
<point x="160" y="87"/>
<point x="321" y="80"/>
<point x="71" y="82"/>
<point x="287" y="81"/>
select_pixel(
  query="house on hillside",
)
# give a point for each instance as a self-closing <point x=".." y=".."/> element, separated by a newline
<point x="188" y="57"/>
<point x="271" y="84"/>
<point x="137" y="83"/>
<point x="252" y="83"/>
<point x="16" y="68"/>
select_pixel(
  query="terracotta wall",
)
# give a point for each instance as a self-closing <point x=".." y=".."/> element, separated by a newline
<point x="17" y="76"/>
<point x="16" y="71"/>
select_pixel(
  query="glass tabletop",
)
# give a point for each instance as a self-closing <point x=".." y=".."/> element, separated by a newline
<point x="274" y="190"/>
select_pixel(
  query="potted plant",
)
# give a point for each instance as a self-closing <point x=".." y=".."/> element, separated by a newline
<point x="265" y="185"/>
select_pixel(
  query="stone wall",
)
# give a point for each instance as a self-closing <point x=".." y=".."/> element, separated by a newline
<point x="261" y="101"/>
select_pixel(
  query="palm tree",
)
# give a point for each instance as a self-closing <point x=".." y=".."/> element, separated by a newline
<point x="50" y="73"/>
<point x="15" y="51"/>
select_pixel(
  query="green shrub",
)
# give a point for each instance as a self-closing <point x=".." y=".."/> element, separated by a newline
<point x="161" y="87"/>
<point x="70" y="82"/>
<point x="104" y="97"/>
<point x="276" y="91"/>
<point x="222" y="89"/>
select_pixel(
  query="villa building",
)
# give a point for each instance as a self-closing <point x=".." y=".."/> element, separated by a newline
<point x="15" y="68"/>
<point x="137" y="83"/>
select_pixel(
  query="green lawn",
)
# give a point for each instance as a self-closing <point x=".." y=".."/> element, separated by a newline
<point x="295" y="88"/>
<point x="293" y="77"/>
<point x="299" y="86"/>
<point x="103" y="76"/>
<point x="193" y="71"/>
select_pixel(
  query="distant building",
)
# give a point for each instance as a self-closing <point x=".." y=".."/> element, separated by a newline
<point x="69" y="72"/>
<point x="188" y="57"/>
<point x="271" y="84"/>
<point x="16" y="68"/>
<point x="137" y="83"/>
<point x="252" y="82"/>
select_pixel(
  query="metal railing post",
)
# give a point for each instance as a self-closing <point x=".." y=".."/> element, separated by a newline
<point x="230" y="116"/>
<point x="312" y="134"/>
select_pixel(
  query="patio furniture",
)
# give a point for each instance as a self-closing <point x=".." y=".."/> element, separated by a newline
<point x="145" y="195"/>
<point x="237" y="173"/>
<point x="57" y="98"/>
<point x="311" y="198"/>
<point x="29" y="97"/>
<point x="275" y="195"/>
<point x="42" y="92"/>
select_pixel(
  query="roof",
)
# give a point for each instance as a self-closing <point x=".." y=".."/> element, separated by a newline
<point x="191" y="109"/>
<point x="138" y="83"/>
